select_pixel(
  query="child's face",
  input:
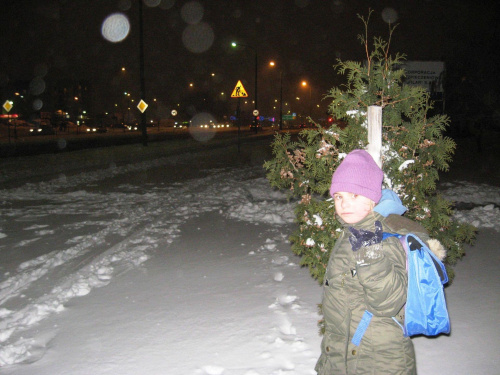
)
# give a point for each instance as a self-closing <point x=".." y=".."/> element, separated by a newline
<point x="352" y="207"/>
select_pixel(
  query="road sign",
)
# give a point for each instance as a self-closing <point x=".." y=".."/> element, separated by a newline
<point x="174" y="112"/>
<point x="255" y="112"/>
<point x="239" y="91"/>
<point x="142" y="106"/>
<point x="8" y="105"/>
<point x="288" y="117"/>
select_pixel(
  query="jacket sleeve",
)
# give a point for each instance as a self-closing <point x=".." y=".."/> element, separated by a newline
<point x="385" y="282"/>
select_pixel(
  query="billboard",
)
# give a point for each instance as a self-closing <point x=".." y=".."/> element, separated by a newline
<point x="428" y="74"/>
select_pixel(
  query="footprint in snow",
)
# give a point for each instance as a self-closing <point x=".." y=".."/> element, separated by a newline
<point x="286" y="299"/>
<point x="270" y="247"/>
<point x="280" y="260"/>
<point x="286" y="327"/>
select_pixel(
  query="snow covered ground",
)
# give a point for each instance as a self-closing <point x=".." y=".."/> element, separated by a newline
<point x="127" y="261"/>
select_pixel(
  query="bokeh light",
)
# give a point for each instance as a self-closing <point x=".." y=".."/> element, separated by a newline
<point x="200" y="128"/>
<point x="337" y="7"/>
<point x="115" y="27"/>
<point x="192" y="12"/>
<point x="167" y="4"/>
<point x="152" y="3"/>
<point x="37" y="104"/>
<point x="37" y="86"/>
<point x="41" y="70"/>
<point x="61" y="143"/>
<point x="198" y="38"/>
<point x="389" y="15"/>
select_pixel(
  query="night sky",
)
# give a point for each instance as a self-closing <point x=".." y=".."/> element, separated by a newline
<point x="58" y="39"/>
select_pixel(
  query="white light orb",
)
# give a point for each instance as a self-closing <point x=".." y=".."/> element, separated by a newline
<point x="115" y="27"/>
<point x="198" y="38"/>
<point x="389" y="15"/>
<point x="192" y="12"/>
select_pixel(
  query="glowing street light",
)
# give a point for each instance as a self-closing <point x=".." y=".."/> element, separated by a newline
<point x="272" y="63"/>
<point x="304" y="84"/>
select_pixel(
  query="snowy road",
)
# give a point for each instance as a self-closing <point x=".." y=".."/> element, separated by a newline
<point x="181" y="265"/>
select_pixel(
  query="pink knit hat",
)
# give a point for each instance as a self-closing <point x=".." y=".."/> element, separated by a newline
<point x="359" y="174"/>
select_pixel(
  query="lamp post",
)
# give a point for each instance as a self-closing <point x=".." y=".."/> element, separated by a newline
<point x="281" y="95"/>
<point x="304" y="84"/>
<point x="234" y="45"/>
<point x="142" y="94"/>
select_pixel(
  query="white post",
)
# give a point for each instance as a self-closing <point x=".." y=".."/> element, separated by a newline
<point x="375" y="133"/>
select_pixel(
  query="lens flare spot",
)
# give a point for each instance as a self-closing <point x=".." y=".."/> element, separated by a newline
<point x="115" y="27"/>
<point x="152" y="3"/>
<point x="41" y="70"/>
<point x="37" y="104"/>
<point x="389" y="15"/>
<point x="167" y="4"/>
<point x="192" y="12"/>
<point x="37" y="86"/>
<point x="198" y="38"/>
<point x="202" y="127"/>
<point x="61" y="143"/>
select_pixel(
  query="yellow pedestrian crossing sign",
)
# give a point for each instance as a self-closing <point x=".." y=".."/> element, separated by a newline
<point x="239" y="91"/>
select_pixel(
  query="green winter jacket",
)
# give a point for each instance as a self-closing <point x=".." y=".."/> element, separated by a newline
<point x="380" y="288"/>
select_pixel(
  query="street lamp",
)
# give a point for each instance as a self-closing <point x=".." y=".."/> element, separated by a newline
<point x="234" y="45"/>
<point x="304" y="84"/>
<point x="142" y="94"/>
<point x="281" y="95"/>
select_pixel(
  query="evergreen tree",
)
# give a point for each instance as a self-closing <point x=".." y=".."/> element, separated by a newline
<point x="414" y="152"/>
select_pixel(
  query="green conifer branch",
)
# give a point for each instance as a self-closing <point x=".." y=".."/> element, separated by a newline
<point x="415" y="151"/>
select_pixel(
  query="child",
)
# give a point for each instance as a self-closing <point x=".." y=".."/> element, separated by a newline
<point x="365" y="274"/>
